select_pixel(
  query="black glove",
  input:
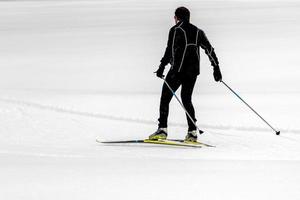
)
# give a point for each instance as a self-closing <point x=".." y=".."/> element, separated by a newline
<point x="160" y="71"/>
<point x="217" y="74"/>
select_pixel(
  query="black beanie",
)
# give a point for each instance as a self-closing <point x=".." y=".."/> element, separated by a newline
<point x="182" y="13"/>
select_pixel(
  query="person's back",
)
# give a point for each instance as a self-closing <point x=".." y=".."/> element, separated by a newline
<point x="186" y="49"/>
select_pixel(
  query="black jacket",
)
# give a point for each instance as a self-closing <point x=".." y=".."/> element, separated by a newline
<point x="182" y="50"/>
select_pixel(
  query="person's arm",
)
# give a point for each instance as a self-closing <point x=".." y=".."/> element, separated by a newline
<point x="178" y="48"/>
<point x="166" y="59"/>
<point x="209" y="50"/>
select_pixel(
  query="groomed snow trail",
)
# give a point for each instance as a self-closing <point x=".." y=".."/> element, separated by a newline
<point x="48" y="150"/>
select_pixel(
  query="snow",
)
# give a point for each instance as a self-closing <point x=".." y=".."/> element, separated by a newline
<point x="74" y="71"/>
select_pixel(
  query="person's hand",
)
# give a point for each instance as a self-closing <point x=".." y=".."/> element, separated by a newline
<point x="217" y="73"/>
<point x="160" y="72"/>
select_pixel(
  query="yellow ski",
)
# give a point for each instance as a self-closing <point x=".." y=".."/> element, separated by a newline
<point x="159" y="142"/>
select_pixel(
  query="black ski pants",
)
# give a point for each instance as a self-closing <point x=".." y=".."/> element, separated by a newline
<point x="187" y="86"/>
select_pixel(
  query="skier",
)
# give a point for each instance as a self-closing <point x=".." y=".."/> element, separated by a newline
<point x="182" y="53"/>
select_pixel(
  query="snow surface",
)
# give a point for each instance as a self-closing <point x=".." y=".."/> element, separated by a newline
<point x="74" y="71"/>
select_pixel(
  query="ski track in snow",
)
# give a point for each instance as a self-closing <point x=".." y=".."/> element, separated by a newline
<point x="34" y="116"/>
<point x="136" y="120"/>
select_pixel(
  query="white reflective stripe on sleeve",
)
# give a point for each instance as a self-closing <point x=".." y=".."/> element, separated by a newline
<point x="209" y="53"/>
<point x="197" y="37"/>
<point x="173" y="58"/>
<point x="211" y="49"/>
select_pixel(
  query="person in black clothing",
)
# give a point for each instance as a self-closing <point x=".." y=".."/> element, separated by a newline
<point x="182" y="53"/>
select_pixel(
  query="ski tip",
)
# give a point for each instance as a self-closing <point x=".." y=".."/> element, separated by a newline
<point x="99" y="140"/>
<point x="277" y="132"/>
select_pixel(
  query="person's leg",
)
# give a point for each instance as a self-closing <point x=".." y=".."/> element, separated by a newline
<point x="186" y="97"/>
<point x="165" y="99"/>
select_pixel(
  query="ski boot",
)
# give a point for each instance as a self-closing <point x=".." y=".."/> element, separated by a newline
<point x="191" y="136"/>
<point x="160" y="134"/>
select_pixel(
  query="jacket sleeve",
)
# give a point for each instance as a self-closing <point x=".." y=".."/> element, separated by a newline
<point x="166" y="59"/>
<point x="178" y="48"/>
<point x="209" y="50"/>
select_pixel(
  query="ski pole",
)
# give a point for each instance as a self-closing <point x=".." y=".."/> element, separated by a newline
<point x="200" y="131"/>
<point x="277" y="132"/>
